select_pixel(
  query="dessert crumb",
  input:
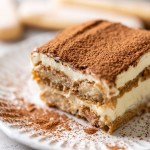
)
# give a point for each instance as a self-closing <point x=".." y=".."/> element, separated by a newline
<point x="90" y="130"/>
<point x="115" y="147"/>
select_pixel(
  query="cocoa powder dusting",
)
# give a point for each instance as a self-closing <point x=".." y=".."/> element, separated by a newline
<point x="100" y="48"/>
<point x="30" y="116"/>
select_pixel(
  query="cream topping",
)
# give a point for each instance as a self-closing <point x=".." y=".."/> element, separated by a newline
<point x="132" y="72"/>
<point x="121" y="79"/>
<point x="72" y="74"/>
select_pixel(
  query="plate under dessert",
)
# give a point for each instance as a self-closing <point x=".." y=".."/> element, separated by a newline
<point x="98" y="70"/>
<point x="16" y="86"/>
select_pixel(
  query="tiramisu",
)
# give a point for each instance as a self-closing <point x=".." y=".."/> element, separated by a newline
<point x="98" y="70"/>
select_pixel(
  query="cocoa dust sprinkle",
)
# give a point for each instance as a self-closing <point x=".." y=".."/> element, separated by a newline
<point x="100" y="48"/>
<point x="30" y="116"/>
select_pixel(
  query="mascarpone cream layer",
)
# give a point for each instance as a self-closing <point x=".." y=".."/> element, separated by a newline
<point x="121" y="79"/>
<point x="132" y="71"/>
<point x="130" y="100"/>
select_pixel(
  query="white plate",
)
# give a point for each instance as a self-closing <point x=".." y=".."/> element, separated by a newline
<point x="15" y="71"/>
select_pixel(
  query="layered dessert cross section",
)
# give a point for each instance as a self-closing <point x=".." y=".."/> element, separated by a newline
<point x="98" y="70"/>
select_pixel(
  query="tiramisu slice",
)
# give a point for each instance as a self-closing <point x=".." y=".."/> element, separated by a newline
<point x="98" y="70"/>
